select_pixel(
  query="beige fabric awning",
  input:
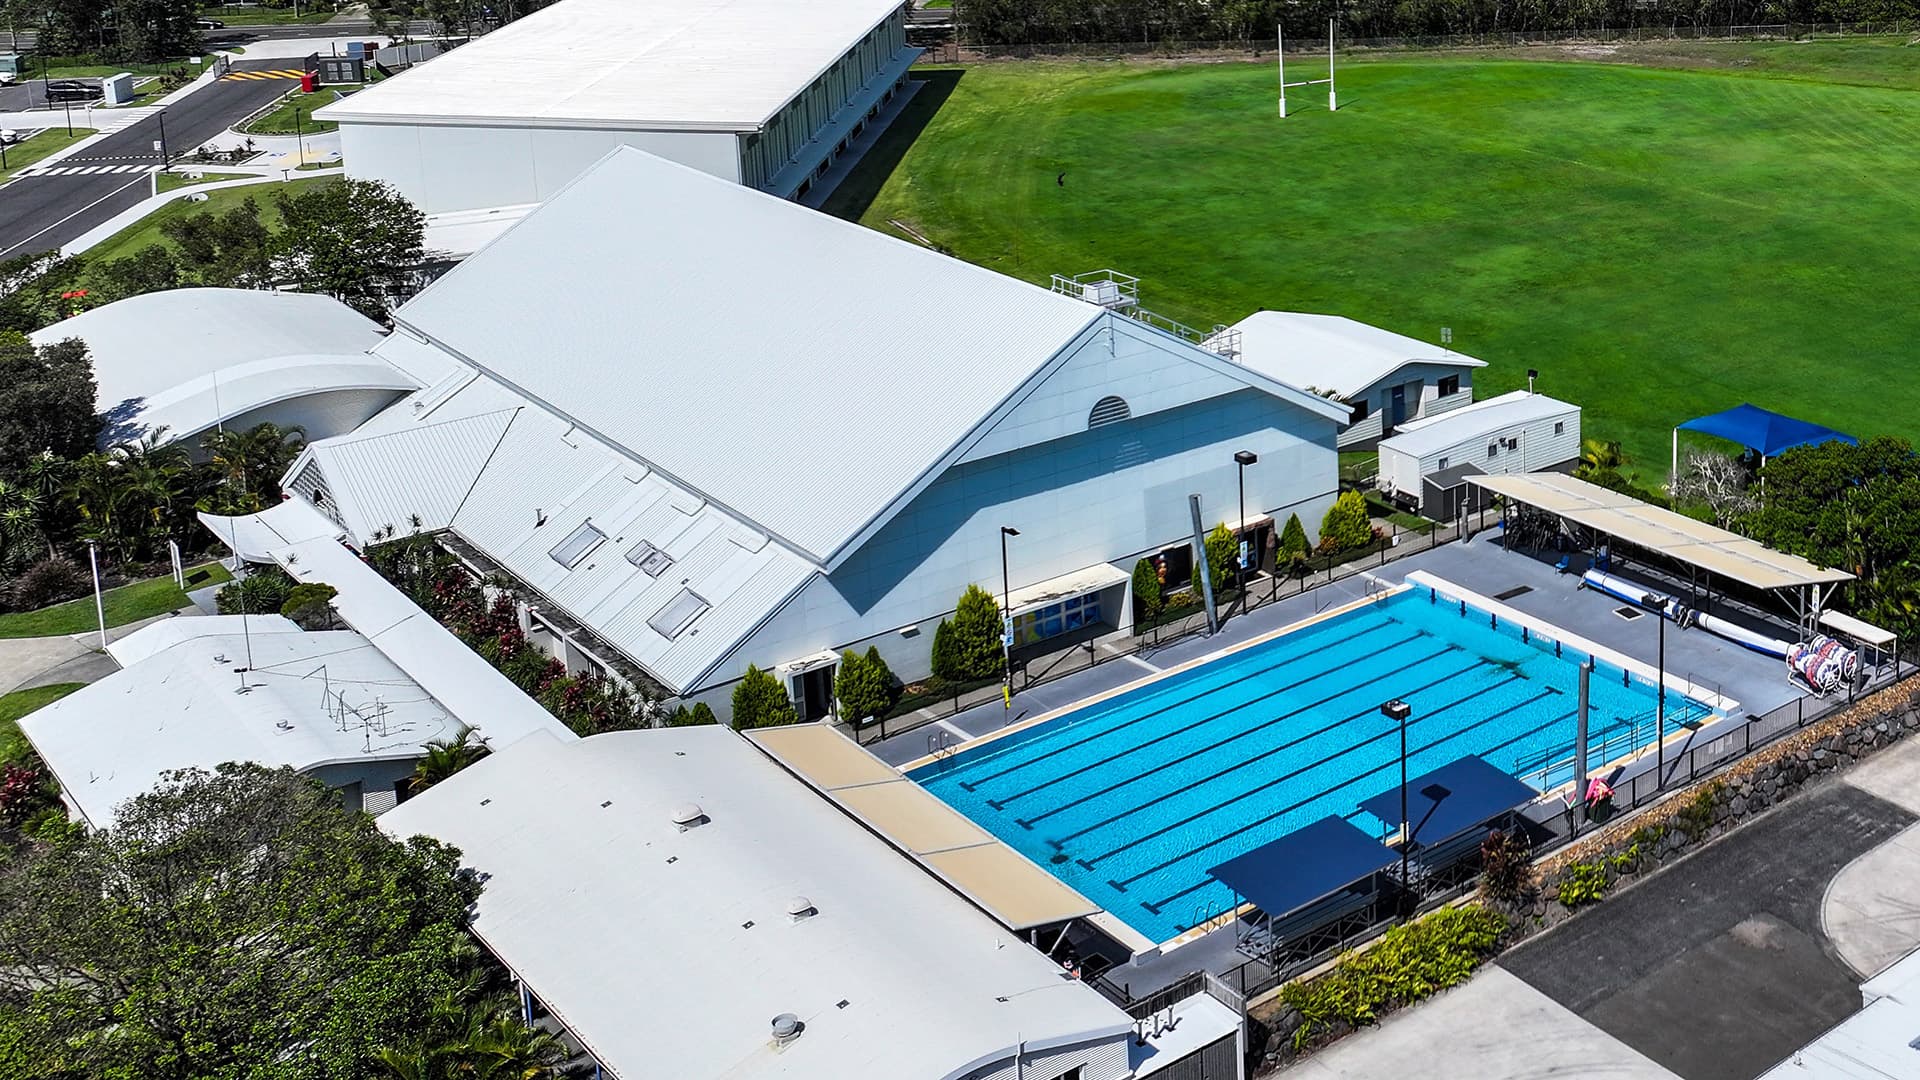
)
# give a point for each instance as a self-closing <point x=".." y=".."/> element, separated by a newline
<point x="1664" y="532"/>
<point x="1003" y="882"/>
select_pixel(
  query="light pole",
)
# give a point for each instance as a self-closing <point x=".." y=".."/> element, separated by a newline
<point x="1398" y="710"/>
<point x="1657" y="604"/>
<point x="1242" y="459"/>
<point x="1006" y="618"/>
<point x="162" y="117"/>
<point x="99" y="603"/>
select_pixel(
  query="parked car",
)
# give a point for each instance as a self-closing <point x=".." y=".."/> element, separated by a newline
<point x="74" y="90"/>
<point x="210" y="24"/>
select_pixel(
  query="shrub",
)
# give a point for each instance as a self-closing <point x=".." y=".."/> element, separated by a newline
<point x="760" y="701"/>
<point x="879" y="664"/>
<point x="262" y="592"/>
<point x="944" y="655"/>
<point x="861" y="687"/>
<point x="22" y="792"/>
<point x="1222" y="552"/>
<point x="1407" y="964"/>
<point x="1584" y="883"/>
<point x="697" y="716"/>
<point x="1506" y="867"/>
<point x="976" y="634"/>
<point x="1346" y="525"/>
<point x="1147" y="601"/>
<point x="1293" y="540"/>
<point x="48" y="581"/>
<point x="310" y="604"/>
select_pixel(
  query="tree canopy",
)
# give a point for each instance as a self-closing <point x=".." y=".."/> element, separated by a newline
<point x="233" y="923"/>
<point x="359" y="241"/>
<point x="46" y="400"/>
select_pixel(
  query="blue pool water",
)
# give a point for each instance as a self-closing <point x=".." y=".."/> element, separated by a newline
<point x="1132" y="799"/>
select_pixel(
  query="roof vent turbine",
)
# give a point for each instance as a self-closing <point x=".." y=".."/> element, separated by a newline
<point x="786" y="1028"/>
<point x="688" y="815"/>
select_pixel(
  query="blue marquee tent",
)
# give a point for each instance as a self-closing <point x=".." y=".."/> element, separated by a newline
<point x="1767" y="433"/>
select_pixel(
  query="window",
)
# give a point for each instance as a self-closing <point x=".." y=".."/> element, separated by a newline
<point x="1559" y="427"/>
<point x="1108" y="410"/>
<point x="1493" y="450"/>
<point x="1360" y="411"/>
<point x="651" y="560"/>
<point x="578" y="545"/>
<point x="1442" y="467"/>
<point x="1449" y="386"/>
<point x="679" y="614"/>
<point x="1056" y="619"/>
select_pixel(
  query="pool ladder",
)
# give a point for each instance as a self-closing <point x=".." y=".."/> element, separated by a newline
<point x="939" y="743"/>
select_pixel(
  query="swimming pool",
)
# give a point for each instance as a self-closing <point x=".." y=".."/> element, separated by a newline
<point x="1130" y="799"/>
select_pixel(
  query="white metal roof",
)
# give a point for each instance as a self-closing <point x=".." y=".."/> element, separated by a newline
<point x="802" y="370"/>
<point x="156" y="356"/>
<point x="1332" y="352"/>
<point x="469" y="687"/>
<point x="406" y="479"/>
<point x="720" y="65"/>
<point x="1482" y="419"/>
<point x="254" y="537"/>
<point x="598" y="901"/>
<point x="1876" y="1043"/>
<point x="312" y="699"/>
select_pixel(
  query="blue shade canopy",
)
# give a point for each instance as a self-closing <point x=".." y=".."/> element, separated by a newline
<point x="1304" y="865"/>
<point x="1453" y="798"/>
<point x="1768" y="432"/>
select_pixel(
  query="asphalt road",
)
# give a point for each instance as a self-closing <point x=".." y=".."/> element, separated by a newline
<point x="1718" y="967"/>
<point x="240" y="35"/>
<point x="38" y="213"/>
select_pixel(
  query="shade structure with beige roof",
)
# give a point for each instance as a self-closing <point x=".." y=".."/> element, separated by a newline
<point x="1696" y="544"/>
<point x="998" y="879"/>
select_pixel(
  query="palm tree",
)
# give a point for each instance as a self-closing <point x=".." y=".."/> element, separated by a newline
<point x="252" y="460"/>
<point x="1598" y="456"/>
<point x="444" y="757"/>
<point x="475" y="1039"/>
<point x="20" y="526"/>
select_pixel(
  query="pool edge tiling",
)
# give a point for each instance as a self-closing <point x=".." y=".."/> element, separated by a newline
<point x="1130" y="796"/>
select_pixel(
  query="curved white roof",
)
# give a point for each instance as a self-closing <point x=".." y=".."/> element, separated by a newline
<point x="158" y="357"/>
<point x="1333" y="352"/>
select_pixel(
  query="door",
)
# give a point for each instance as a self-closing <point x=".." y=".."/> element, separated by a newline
<point x="1397" y="410"/>
<point x="813" y="696"/>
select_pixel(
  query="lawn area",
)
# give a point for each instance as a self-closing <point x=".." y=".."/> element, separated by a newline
<point x="85" y="68"/>
<point x="280" y="120"/>
<point x="128" y="603"/>
<point x="1659" y="241"/>
<point x="13" y="745"/>
<point x="173" y="181"/>
<point x="35" y="147"/>
<point x="147" y="230"/>
<point x="263" y="16"/>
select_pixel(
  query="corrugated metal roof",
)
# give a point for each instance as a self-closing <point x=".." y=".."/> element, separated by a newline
<point x="724" y="65"/>
<point x="410" y="479"/>
<point x="1332" y="352"/>
<point x="313" y="699"/>
<point x="1482" y="419"/>
<point x="802" y="370"/>
<point x="597" y="900"/>
<point x="547" y="479"/>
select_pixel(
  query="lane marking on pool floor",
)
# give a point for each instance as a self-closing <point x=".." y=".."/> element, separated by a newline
<point x="1150" y="667"/>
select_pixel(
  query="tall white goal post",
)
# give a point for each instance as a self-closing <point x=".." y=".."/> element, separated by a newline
<point x="1280" y="54"/>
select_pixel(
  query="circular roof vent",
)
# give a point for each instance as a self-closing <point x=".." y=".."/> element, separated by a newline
<point x="787" y="1027"/>
<point x="800" y="907"/>
<point x="687" y="815"/>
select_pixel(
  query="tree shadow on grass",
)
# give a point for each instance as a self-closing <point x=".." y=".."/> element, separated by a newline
<point x="856" y="193"/>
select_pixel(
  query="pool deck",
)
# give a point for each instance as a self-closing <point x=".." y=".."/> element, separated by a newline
<point x="1757" y="683"/>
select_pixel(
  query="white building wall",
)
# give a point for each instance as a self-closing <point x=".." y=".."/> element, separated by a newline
<point x="1112" y="494"/>
<point x="448" y="167"/>
<point x="321" y="416"/>
<point x="1539" y="447"/>
<point x="1421" y="385"/>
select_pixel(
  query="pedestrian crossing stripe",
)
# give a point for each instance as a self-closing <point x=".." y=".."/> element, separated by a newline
<point x="88" y="170"/>
<point x="256" y="75"/>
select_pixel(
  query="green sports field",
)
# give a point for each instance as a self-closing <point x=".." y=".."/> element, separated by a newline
<point x="1741" y="222"/>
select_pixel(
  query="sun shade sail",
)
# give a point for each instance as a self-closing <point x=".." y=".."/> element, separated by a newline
<point x="1306" y="864"/>
<point x="1767" y="432"/>
<point x="1460" y="795"/>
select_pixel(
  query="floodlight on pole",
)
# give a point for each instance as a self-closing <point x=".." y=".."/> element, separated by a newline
<point x="1657" y="604"/>
<point x="99" y="601"/>
<point x="1242" y="459"/>
<point x="1398" y="710"/>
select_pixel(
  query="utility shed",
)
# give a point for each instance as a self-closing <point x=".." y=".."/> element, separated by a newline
<point x="1514" y="433"/>
<point x="766" y="93"/>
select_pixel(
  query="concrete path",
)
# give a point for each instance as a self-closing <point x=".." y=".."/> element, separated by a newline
<point x="1871" y="911"/>
<point x="1495" y="1027"/>
<point x="23" y="660"/>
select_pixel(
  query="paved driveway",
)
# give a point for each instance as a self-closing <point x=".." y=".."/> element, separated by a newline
<point x="1718" y="967"/>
